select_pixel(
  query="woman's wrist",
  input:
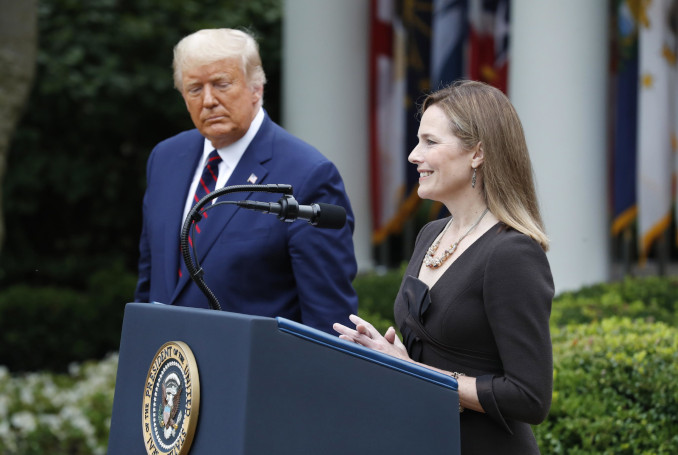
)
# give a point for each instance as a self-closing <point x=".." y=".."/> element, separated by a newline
<point x="456" y="376"/>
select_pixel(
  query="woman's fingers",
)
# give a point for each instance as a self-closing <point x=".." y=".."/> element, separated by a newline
<point x="390" y="335"/>
<point x="360" y="335"/>
<point x="343" y="330"/>
<point x="363" y="327"/>
<point x="397" y="343"/>
<point x="363" y="330"/>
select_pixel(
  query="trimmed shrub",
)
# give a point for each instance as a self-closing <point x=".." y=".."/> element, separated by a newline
<point x="614" y="389"/>
<point x="376" y="293"/>
<point x="50" y="327"/>
<point x="651" y="299"/>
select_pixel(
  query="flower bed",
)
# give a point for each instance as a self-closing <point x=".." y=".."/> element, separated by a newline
<point x="70" y="413"/>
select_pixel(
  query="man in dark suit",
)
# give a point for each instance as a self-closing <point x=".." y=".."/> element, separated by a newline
<point x="252" y="262"/>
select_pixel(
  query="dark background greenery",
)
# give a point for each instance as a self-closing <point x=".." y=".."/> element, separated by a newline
<point x="102" y="98"/>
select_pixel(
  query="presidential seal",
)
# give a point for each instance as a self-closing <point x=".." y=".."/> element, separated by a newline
<point x="171" y="400"/>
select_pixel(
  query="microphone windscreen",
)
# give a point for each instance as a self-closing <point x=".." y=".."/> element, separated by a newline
<point x="331" y="216"/>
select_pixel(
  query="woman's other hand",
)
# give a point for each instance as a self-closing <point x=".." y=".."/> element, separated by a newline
<point x="365" y="334"/>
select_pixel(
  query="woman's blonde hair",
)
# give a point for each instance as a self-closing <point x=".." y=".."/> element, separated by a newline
<point x="480" y="113"/>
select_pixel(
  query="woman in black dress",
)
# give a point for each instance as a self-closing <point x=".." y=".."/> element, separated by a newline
<point x="475" y="300"/>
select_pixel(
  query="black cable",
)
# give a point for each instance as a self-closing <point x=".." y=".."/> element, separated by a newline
<point x="194" y="215"/>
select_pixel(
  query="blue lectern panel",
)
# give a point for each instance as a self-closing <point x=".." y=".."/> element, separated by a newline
<point x="221" y="346"/>
<point x="314" y="393"/>
<point x="277" y="387"/>
<point x="333" y="342"/>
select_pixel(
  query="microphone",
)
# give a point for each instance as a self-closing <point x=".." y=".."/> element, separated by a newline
<point x="287" y="209"/>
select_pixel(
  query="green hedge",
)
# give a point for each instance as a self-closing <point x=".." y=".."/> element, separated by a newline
<point x="614" y="389"/>
<point x="376" y="293"/>
<point x="50" y="327"/>
<point x="651" y="299"/>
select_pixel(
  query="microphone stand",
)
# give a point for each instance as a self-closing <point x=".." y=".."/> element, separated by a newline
<point x="194" y="215"/>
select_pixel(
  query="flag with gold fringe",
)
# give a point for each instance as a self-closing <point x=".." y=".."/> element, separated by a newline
<point x="658" y="93"/>
<point x="625" y="80"/>
<point x="418" y="46"/>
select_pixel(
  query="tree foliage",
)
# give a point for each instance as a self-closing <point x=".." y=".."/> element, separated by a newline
<point x="18" y="45"/>
<point x="102" y="98"/>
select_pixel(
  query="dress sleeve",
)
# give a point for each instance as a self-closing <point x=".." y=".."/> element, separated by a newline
<point x="517" y="293"/>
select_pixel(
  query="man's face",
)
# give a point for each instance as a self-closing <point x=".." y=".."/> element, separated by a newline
<point x="220" y="102"/>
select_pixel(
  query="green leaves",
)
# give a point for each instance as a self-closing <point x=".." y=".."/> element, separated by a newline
<point x="103" y="97"/>
<point x="651" y="298"/>
<point x="614" y="389"/>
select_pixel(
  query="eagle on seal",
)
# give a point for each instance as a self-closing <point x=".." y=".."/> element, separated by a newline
<point x="171" y="393"/>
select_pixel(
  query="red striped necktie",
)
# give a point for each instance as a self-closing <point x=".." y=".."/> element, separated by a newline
<point x="207" y="184"/>
<point x="208" y="179"/>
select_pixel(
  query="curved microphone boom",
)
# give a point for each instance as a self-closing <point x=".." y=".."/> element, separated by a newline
<point x="195" y="214"/>
<point x="287" y="209"/>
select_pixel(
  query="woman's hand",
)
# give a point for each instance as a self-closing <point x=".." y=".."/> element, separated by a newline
<point x="365" y="334"/>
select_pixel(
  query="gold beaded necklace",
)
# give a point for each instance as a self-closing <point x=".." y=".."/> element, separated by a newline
<point x="433" y="263"/>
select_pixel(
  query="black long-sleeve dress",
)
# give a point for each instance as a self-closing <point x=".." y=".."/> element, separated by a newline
<point x="487" y="316"/>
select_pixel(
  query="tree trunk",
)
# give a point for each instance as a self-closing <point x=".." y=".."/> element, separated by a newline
<point x="18" y="48"/>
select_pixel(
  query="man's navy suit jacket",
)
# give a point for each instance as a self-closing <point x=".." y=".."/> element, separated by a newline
<point x="253" y="262"/>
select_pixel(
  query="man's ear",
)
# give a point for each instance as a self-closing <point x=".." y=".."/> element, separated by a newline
<point x="257" y="93"/>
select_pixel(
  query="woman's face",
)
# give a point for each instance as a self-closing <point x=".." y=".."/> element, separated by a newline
<point x="444" y="166"/>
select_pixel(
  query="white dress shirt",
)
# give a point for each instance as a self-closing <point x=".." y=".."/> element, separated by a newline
<point x="230" y="156"/>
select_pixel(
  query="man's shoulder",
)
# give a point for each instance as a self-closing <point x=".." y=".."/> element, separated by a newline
<point x="181" y="139"/>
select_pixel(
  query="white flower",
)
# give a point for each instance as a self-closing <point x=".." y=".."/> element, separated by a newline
<point x="24" y="421"/>
<point x="49" y="388"/>
<point x="77" y="420"/>
<point x="73" y="369"/>
<point x="4" y="429"/>
<point x="26" y="395"/>
<point x="56" y="403"/>
<point x="51" y="421"/>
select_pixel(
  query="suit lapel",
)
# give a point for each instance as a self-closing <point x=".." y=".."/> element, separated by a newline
<point x="251" y="164"/>
<point x="184" y="162"/>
